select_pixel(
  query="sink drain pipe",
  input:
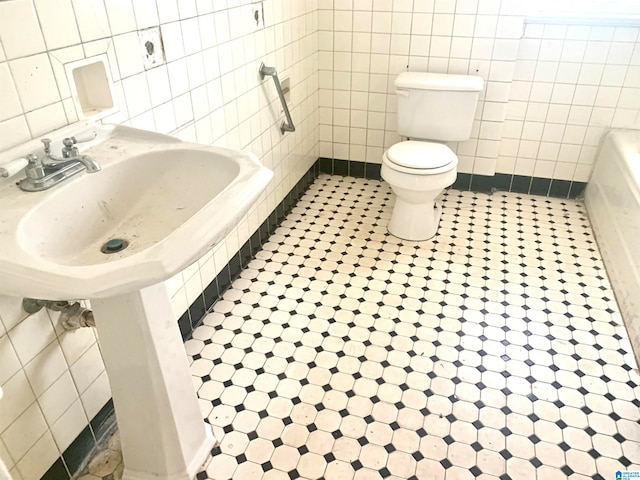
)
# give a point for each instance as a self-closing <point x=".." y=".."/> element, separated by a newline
<point x="72" y="315"/>
<point x="76" y="316"/>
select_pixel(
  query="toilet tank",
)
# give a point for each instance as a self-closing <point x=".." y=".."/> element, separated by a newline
<point x="437" y="106"/>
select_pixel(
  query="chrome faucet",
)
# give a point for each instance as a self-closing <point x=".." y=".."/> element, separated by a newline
<point x="45" y="171"/>
<point x="70" y="153"/>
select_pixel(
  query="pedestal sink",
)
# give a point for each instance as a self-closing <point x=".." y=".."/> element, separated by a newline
<point x="167" y="202"/>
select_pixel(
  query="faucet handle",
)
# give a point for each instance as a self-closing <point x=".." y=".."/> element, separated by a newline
<point x="47" y="145"/>
<point x="34" y="169"/>
<point x="69" y="150"/>
<point x="87" y="136"/>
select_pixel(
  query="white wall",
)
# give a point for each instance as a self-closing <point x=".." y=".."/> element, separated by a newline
<point x="571" y="84"/>
<point x="209" y="91"/>
<point x="364" y="44"/>
<point x="551" y="89"/>
<point x="53" y="383"/>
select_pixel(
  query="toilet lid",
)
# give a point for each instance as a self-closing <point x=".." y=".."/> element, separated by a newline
<point x="422" y="155"/>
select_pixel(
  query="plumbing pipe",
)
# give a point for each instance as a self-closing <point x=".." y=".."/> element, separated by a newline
<point x="76" y="316"/>
<point x="72" y="315"/>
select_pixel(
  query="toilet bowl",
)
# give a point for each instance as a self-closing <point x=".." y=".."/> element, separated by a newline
<point x="417" y="172"/>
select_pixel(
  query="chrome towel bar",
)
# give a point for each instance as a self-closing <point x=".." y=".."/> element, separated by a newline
<point x="271" y="71"/>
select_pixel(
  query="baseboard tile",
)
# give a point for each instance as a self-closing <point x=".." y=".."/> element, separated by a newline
<point x="499" y="182"/>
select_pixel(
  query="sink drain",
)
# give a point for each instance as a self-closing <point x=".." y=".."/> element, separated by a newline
<point x="114" y="245"/>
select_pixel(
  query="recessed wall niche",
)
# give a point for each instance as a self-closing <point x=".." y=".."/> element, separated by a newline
<point x="91" y="87"/>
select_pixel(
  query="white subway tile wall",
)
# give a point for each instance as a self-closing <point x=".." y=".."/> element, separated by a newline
<point x="365" y="44"/>
<point x="209" y="91"/>
<point x="571" y="84"/>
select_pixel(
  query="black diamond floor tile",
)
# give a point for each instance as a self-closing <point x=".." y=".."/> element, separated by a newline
<point x="492" y="351"/>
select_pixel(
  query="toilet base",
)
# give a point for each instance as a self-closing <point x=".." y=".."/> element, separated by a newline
<point x="415" y="222"/>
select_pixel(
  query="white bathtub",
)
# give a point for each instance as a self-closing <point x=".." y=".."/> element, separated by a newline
<point x="613" y="202"/>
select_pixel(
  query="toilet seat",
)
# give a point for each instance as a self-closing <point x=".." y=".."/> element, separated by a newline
<point x="421" y="158"/>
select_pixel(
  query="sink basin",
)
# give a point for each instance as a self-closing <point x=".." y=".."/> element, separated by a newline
<point x="168" y="200"/>
<point x="113" y="237"/>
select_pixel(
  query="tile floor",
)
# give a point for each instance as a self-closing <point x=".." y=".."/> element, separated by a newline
<point x="494" y="351"/>
<point x="107" y="464"/>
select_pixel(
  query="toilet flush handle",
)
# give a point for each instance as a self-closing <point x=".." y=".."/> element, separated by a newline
<point x="403" y="93"/>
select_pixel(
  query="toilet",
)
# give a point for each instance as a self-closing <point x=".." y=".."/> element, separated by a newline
<point x="432" y="108"/>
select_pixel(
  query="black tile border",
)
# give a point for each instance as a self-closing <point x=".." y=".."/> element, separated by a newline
<point x="577" y="189"/>
<point x="500" y="182"/>
<point x="194" y="315"/>
<point x="57" y="471"/>
<point x="352" y="168"/>
<point x="76" y="455"/>
<point x="463" y="182"/>
<point x="104" y="423"/>
<point x="540" y="186"/>
<point x="560" y="188"/>
<point x="520" y="183"/>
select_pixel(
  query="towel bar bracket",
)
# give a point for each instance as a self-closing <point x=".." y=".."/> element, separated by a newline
<point x="287" y="126"/>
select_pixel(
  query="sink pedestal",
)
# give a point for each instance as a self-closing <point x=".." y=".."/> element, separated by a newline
<point x="162" y="432"/>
